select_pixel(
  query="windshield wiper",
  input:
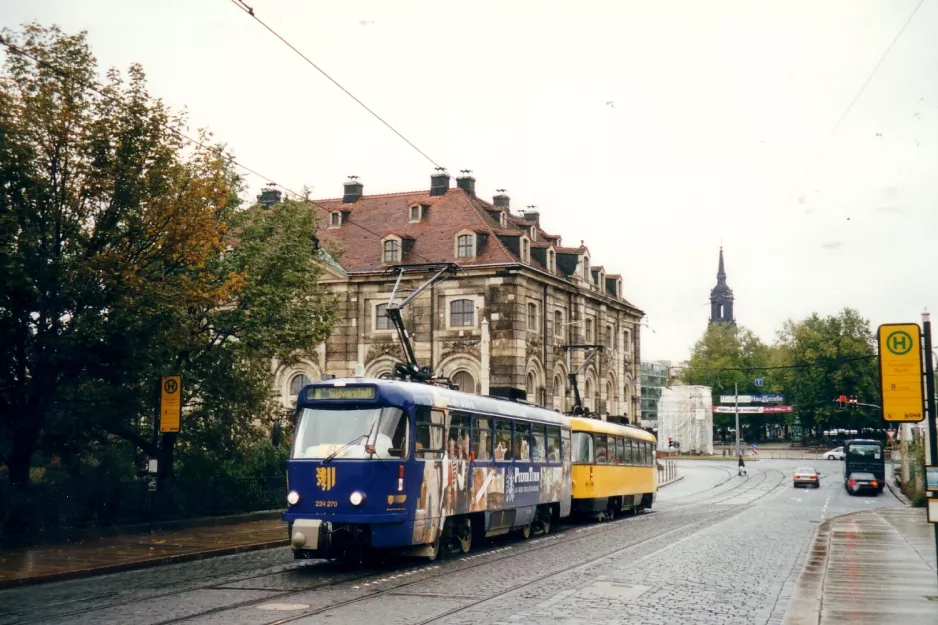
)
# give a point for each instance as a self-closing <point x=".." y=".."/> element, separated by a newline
<point x="345" y="446"/>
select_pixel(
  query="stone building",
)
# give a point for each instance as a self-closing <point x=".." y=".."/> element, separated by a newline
<point x="499" y="325"/>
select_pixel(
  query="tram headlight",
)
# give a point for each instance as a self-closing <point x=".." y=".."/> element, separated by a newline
<point x="356" y="498"/>
<point x="293" y="498"/>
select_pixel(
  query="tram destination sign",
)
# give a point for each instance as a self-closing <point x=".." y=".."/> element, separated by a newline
<point x="900" y="372"/>
<point x="338" y="393"/>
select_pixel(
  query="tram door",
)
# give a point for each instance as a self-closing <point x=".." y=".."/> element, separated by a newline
<point x="429" y="448"/>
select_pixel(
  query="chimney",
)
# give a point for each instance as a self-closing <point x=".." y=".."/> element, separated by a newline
<point x="531" y="214"/>
<point x="353" y="190"/>
<point x="501" y="200"/>
<point x="466" y="182"/>
<point x="439" y="182"/>
<point x="269" y="196"/>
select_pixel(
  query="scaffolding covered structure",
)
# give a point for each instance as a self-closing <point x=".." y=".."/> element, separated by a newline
<point x="685" y="415"/>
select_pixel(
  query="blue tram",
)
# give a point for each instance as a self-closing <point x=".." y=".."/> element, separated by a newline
<point x="383" y="464"/>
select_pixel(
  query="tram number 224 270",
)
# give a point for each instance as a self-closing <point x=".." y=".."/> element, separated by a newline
<point x="322" y="503"/>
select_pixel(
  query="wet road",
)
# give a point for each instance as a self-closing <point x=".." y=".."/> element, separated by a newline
<point x="718" y="548"/>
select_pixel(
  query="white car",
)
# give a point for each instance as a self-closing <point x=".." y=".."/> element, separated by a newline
<point x="834" y="454"/>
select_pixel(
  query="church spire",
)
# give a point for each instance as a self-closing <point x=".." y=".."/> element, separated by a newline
<point x="721" y="271"/>
<point x="721" y="297"/>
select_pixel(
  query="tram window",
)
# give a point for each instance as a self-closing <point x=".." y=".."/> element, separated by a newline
<point x="644" y="453"/>
<point x="631" y="453"/>
<point x="538" y="450"/>
<point x="553" y="443"/>
<point x="620" y="450"/>
<point x="601" y="452"/>
<point x="522" y="446"/>
<point x="503" y="440"/>
<point x="457" y="440"/>
<point x="482" y="439"/>
<point x="429" y="433"/>
<point x="583" y="448"/>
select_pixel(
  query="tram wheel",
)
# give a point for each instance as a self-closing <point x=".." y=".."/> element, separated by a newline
<point x="464" y="536"/>
<point x="435" y="550"/>
<point x="543" y="524"/>
<point x="525" y="531"/>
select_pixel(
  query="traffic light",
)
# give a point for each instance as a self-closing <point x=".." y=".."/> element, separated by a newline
<point x="854" y="402"/>
<point x="670" y="443"/>
<point x="843" y="401"/>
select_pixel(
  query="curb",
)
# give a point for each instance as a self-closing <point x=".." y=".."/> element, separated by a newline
<point x="898" y="494"/>
<point x="142" y="564"/>
<point x="677" y="479"/>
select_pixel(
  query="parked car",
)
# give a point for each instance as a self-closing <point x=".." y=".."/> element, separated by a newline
<point x="806" y="476"/>
<point x="834" y="454"/>
<point x="862" y="482"/>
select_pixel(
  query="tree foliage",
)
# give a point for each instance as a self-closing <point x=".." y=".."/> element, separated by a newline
<point x="124" y="256"/>
<point x="830" y="356"/>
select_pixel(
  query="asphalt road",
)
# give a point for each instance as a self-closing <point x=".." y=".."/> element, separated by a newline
<point x="718" y="548"/>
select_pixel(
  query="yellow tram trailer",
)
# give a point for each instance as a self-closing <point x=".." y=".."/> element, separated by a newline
<point x="613" y="479"/>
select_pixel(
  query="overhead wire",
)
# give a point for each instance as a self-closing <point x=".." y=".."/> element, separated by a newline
<point x="250" y="11"/>
<point x="843" y="116"/>
<point x="230" y="159"/>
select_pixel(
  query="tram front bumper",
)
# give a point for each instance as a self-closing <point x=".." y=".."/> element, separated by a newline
<point x="307" y="534"/>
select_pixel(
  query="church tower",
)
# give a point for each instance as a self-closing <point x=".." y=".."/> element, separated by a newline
<point x="721" y="298"/>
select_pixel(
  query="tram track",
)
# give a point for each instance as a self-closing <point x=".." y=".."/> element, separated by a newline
<point x="335" y="579"/>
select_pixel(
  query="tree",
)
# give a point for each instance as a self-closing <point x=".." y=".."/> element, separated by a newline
<point x="727" y="356"/>
<point x="124" y="256"/>
<point x="830" y="356"/>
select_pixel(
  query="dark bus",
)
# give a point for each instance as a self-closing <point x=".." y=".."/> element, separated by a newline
<point x="865" y="456"/>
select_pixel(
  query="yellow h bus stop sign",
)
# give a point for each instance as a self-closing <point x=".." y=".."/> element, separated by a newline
<point x="170" y="403"/>
<point x="900" y="372"/>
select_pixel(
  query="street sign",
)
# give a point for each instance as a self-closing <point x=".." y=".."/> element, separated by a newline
<point x="900" y="372"/>
<point x="170" y="403"/>
<point x="752" y="399"/>
<point x="753" y="409"/>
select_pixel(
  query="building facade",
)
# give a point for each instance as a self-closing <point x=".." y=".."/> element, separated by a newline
<point x="498" y="327"/>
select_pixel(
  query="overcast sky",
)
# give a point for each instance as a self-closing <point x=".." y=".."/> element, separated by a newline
<point x="653" y="131"/>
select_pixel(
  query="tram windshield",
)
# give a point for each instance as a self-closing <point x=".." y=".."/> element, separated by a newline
<point x="865" y="452"/>
<point x="321" y="432"/>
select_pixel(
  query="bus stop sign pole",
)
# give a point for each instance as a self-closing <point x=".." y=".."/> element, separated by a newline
<point x="930" y="400"/>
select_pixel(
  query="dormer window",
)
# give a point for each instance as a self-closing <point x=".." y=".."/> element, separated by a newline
<point x="503" y="219"/>
<point x="416" y="212"/>
<point x="335" y="219"/>
<point x="619" y="288"/>
<point x="601" y="280"/>
<point x="586" y="268"/>
<point x="465" y="244"/>
<point x="551" y="261"/>
<point x="391" y="251"/>
<point x="525" y="250"/>
<point x="534" y="233"/>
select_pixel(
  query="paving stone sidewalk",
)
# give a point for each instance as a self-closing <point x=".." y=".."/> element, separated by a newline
<point x="869" y="567"/>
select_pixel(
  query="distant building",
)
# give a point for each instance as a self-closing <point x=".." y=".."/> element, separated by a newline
<point x="685" y="415"/>
<point x="498" y="327"/>
<point x="721" y="298"/>
<point x="654" y="378"/>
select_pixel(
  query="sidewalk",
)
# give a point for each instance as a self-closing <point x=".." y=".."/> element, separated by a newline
<point x="109" y="554"/>
<point x="869" y="567"/>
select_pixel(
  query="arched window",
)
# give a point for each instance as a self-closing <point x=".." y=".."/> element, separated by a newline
<point x="392" y="251"/>
<point x="464" y="246"/>
<point x="559" y="393"/>
<point x="610" y="397"/>
<point x="465" y="381"/>
<point x="462" y="313"/>
<point x="532" y="387"/>
<point x="558" y="323"/>
<point x="588" y="396"/>
<point x="609" y="337"/>
<point x="297" y="382"/>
